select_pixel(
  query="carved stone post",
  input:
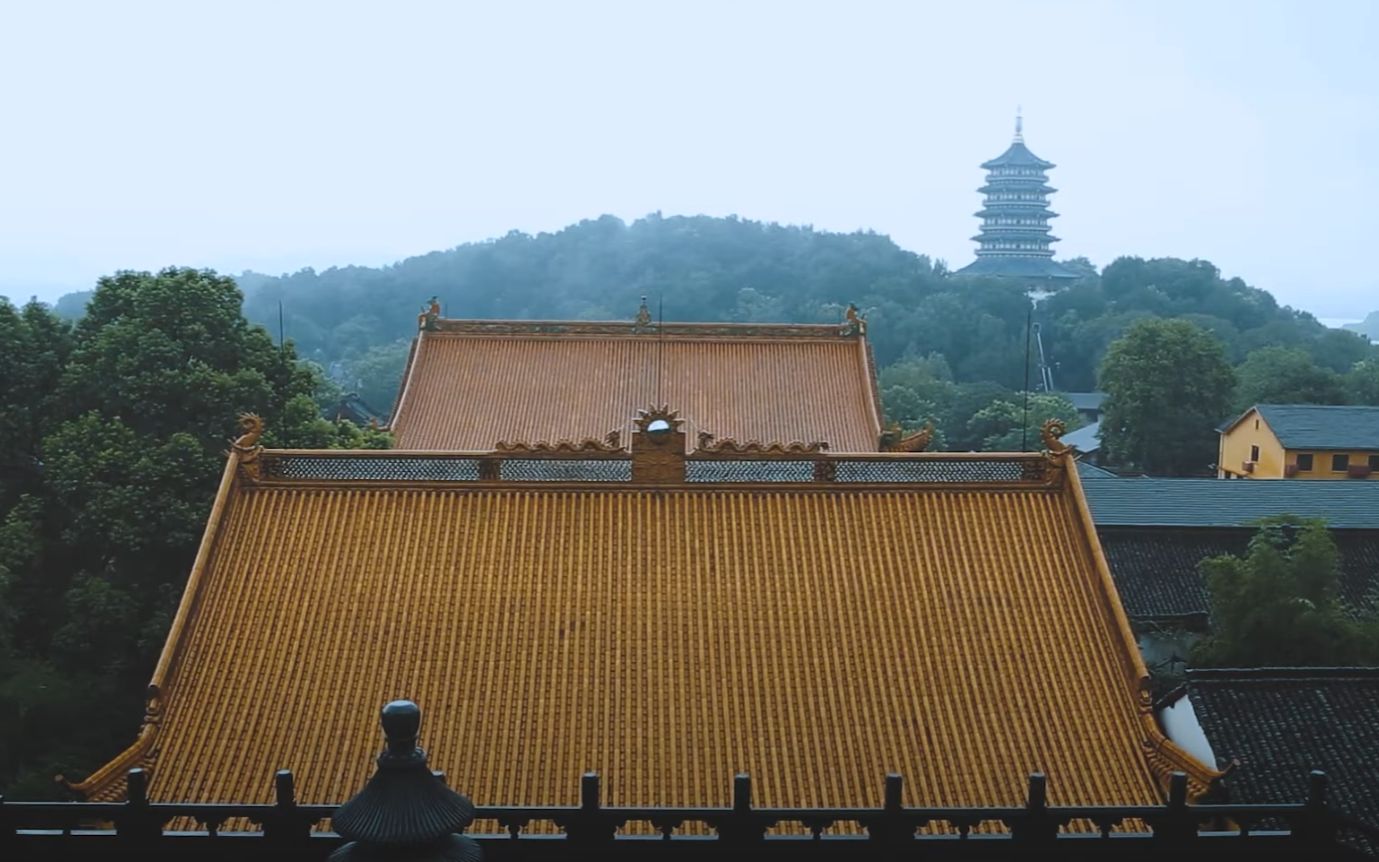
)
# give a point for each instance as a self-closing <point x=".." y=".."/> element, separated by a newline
<point x="405" y="812"/>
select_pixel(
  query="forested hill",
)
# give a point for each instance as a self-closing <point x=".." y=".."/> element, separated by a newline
<point x="703" y="268"/>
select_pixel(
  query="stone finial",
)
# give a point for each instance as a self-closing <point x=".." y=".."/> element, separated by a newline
<point x="643" y="315"/>
<point x="405" y="812"/>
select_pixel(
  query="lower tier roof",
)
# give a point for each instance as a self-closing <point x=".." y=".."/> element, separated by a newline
<point x="816" y="635"/>
<point x="1016" y="266"/>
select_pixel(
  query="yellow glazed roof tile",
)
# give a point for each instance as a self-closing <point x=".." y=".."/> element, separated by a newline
<point x="471" y="386"/>
<point x="816" y="638"/>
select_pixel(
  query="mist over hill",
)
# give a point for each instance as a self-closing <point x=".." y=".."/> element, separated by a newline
<point x="960" y="331"/>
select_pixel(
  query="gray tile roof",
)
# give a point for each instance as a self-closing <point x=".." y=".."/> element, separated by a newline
<point x="1086" y="439"/>
<point x="1157" y="576"/>
<point x="1085" y="400"/>
<point x="1092" y="471"/>
<point x="1345" y="504"/>
<point x="1278" y="724"/>
<point x="1318" y="426"/>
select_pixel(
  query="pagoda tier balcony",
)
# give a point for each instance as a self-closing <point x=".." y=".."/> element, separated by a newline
<point x="1013" y="252"/>
<point x="1028" y="244"/>
<point x="1001" y="198"/>
<point x="997" y="226"/>
<point x="1016" y="211"/>
<point x="1013" y="236"/>
<point x="1017" y="187"/>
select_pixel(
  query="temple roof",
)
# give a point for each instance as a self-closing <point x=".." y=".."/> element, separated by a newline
<point x="1160" y="502"/>
<point x="1157" y="572"/>
<point x="1016" y="266"/>
<point x="947" y="617"/>
<point x="470" y="385"/>
<point x="1278" y="724"/>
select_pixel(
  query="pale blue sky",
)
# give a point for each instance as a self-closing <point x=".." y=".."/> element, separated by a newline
<point x="273" y="136"/>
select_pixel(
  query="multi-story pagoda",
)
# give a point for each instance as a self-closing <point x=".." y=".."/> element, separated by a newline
<point x="1015" y="239"/>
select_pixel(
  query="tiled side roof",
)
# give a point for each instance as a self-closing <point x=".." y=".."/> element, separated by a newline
<point x="1145" y="502"/>
<point x="1086" y="439"/>
<point x="1156" y="569"/>
<point x="1016" y="266"/>
<point x="471" y="388"/>
<point x="1280" y="723"/>
<point x="665" y="637"/>
<point x="1317" y="426"/>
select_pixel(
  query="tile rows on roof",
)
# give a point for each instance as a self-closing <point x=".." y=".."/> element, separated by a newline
<point x="1280" y="723"/>
<point x="665" y="638"/>
<point x="1157" y="575"/>
<point x="1319" y="426"/>
<point x="466" y="391"/>
<point x="1224" y="503"/>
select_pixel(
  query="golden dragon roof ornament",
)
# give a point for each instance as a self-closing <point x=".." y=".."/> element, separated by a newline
<point x="894" y="438"/>
<point x="1052" y="433"/>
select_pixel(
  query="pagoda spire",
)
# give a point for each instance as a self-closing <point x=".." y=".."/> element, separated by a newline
<point x="1015" y="240"/>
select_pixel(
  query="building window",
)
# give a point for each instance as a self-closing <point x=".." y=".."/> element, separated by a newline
<point x="1256" y="424"/>
<point x="1340" y="463"/>
<point x="1254" y="453"/>
<point x="1374" y="463"/>
<point x="1305" y="462"/>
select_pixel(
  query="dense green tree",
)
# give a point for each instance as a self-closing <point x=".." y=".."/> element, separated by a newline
<point x="1362" y="383"/>
<point x="1279" y="604"/>
<point x="376" y="374"/>
<point x="1007" y="426"/>
<point x="34" y="347"/>
<point x="1285" y="375"/>
<point x="1168" y="385"/>
<point x="118" y="428"/>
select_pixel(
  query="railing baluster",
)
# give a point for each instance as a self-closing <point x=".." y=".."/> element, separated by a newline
<point x="891" y="827"/>
<point x="285" y="824"/>
<point x="590" y="827"/>
<point x="1035" y="824"/>
<point x="135" y="820"/>
<point x="1319" y="825"/>
<point x="1177" y="825"/>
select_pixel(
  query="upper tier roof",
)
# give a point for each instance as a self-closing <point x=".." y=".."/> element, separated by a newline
<point x="1017" y="155"/>
<point x="470" y="385"/>
<point x="947" y="617"/>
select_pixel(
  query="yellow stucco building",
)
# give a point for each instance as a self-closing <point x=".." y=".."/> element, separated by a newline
<point x="1300" y="441"/>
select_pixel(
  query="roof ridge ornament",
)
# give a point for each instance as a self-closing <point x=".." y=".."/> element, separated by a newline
<point x="643" y="318"/>
<point x="610" y="443"/>
<point x="405" y="811"/>
<point x="430" y="313"/>
<point x="894" y="438"/>
<point x="1051" y="433"/>
<point x="854" y="322"/>
<point x="708" y="444"/>
<point x="247" y="443"/>
<point x="1019" y="125"/>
